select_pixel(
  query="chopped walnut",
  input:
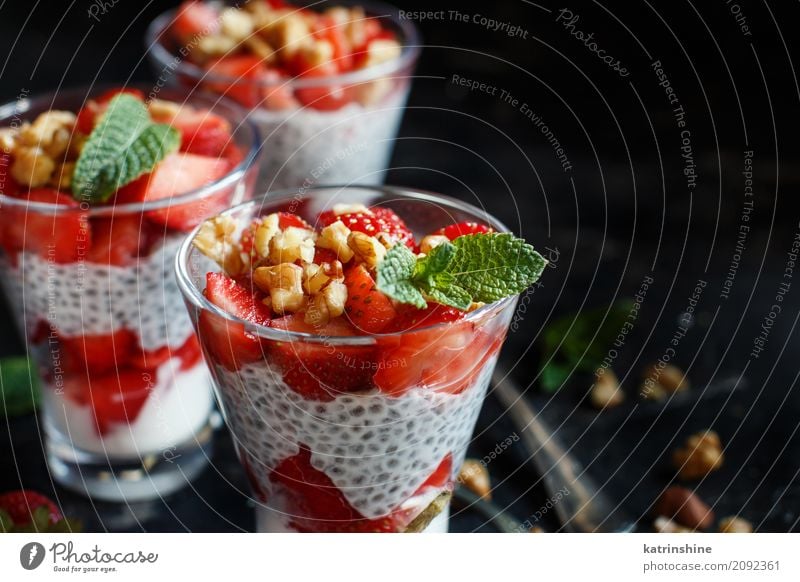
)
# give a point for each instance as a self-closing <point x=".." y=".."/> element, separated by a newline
<point x="314" y="278"/>
<point x="32" y="166"/>
<point x="380" y="51"/>
<point x="474" y="476"/>
<point x="292" y="244"/>
<point x="289" y="33"/>
<point x="261" y="48"/>
<point x="49" y="130"/>
<point x="284" y="283"/>
<point x="606" y="392"/>
<point x="367" y="249"/>
<point x="8" y="138"/>
<point x="316" y="54"/>
<point x="214" y="45"/>
<point x="428" y="243"/>
<point x="699" y="456"/>
<point x="666" y="525"/>
<point x="327" y="304"/>
<point x="163" y="110"/>
<point x="334" y="237"/>
<point x="265" y="232"/>
<point x="215" y="240"/>
<point x="735" y="524"/>
<point x="662" y="380"/>
<point x="236" y="24"/>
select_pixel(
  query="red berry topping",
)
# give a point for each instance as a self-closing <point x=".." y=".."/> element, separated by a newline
<point x="369" y="310"/>
<point x="456" y="230"/>
<point x="371" y="222"/>
<point x="20" y="505"/>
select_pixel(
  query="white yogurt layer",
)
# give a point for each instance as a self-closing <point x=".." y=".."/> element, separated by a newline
<point x="377" y="450"/>
<point x="178" y="405"/>
<point x="350" y="145"/>
<point x="92" y="299"/>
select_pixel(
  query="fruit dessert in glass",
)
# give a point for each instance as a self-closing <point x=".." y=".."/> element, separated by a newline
<point x="96" y="195"/>
<point x="326" y="84"/>
<point x="351" y="347"/>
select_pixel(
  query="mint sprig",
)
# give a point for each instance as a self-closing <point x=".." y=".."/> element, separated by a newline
<point x="19" y="386"/>
<point x="475" y="267"/>
<point x="123" y="146"/>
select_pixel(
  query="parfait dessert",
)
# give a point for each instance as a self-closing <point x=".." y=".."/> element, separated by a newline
<point x="95" y="198"/>
<point x="326" y="84"/>
<point x="350" y="355"/>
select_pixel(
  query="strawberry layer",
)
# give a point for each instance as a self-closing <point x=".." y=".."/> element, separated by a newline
<point x="177" y="405"/>
<point x="377" y="450"/>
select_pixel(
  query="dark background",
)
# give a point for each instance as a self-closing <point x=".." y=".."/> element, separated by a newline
<point x="622" y="212"/>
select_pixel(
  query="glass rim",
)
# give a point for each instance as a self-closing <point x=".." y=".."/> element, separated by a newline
<point x="19" y="107"/>
<point x="191" y="292"/>
<point x="410" y="50"/>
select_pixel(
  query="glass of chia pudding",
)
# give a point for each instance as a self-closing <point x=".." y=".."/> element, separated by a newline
<point x="326" y="83"/>
<point x="351" y="334"/>
<point x="98" y="188"/>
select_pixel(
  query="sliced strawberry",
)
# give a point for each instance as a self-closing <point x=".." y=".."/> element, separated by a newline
<point x="326" y="28"/>
<point x="462" y="228"/>
<point x="227" y="342"/>
<point x="194" y="19"/>
<point x="409" y="317"/>
<point x="120" y="240"/>
<point x="376" y="219"/>
<point x="369" y="310"/>
<point x="181" y="173"/>
<point x="132" y="193"/>
<point x="321" y="371"/>
<point x="276" y="92"/>
<point x="317" y="505"/>
<point x="87" y="117"/>
<point x="202" y="133"/>
<point x="287" y="219"/>
<point x="241" y="74"/>
<point x="324" y="256"/>
<point x="97" y="354"/>
<point x="20" y="505"/>
<point x="444" y="359"/>
<point x="189" y="354"/>
<point x="119" y="397"/>
<point x="61" y="236"/>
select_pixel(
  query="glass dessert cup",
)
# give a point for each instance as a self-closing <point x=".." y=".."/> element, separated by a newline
<point x="127" y="400"/>
<point x="337" y="129"/>
<point x="326" y="448"/>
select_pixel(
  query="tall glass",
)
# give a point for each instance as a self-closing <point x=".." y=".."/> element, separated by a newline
<point x="308" y="140"/>
<point x="126" y="395"/>
<point x="348" y="457"/>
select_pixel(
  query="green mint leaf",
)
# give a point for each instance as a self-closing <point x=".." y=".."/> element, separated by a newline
<point x="125" y="145"/>
<point x="553" y="376"/>
<point x="394" y="276"/>
<point x="19" y="386"/>
<point x="476" y="267"/>
<point x="494" y="266"/>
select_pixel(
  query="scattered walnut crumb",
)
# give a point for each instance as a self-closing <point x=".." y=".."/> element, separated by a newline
<point x="661" y="380"/>
<point x="699" y="456"/>
<point x="474" y="476"/>
<point x="606" y="391"/>
<point x="735" y="524"/>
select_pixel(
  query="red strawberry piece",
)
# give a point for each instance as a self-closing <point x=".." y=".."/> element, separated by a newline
<point x="20" y="505"/>
<point x="462" y="228"/>
<point x="324" y="256"/>
<point x="287" y="219"/>
<point x="93" y="109"/>
<point x="202" y="133"/>
<point x="258" y="488"/>
<point x="410" y="317"/>
<point x="326" y="28"/>
<point x="194" y="19"/>
<point x="189" y="354"/>
<point x="369" y="310"/>
<point x="111" y="93"/>
<point x="375" y="220"/>
<point x="443" y="358"/>
<point x="62" y="236"/>
<point x="179" y="174"/>
<point x="119" y="397"/>
<point x="227" y="342"/>
<point x="325" y="97"/>
<point x="98" y="354"/>
<point x="317" y="505"/>
<point x="132" y="193"/>
<point x="237" y="77"/>
<point x="276" y="92"/>
<point x="321" y="371"/>
<point x="120" y="240"/>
